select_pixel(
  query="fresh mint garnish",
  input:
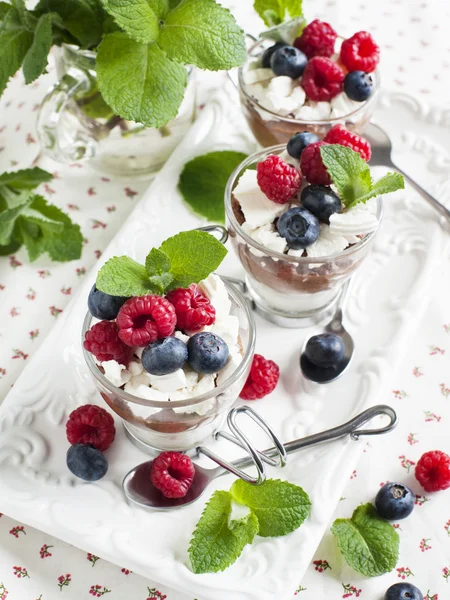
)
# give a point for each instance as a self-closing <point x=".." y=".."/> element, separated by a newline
<point x="123" y="276"/>
<point x="275" y="12"/>
<point x="26" y="178"/>
<point x="280" y="506"/>
<point x="203" y="180"/>
<point x="351" y="176"/>
<point x="139" y="18"/>
<point x="369" y="543"/>
<point x="158" y="267"/>
<point x="214" y="545"/>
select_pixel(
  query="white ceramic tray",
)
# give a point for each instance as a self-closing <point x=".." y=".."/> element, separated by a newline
<point x="390" y="291"/>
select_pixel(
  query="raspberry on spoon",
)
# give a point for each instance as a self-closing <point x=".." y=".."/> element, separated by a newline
<point x="172" y="474"/>
<point x="144" y="319"/>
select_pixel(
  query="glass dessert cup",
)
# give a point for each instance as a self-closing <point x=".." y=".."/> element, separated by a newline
<point x="176" y="425"/>
<point x="270" y="128"/>
<point x="75" y="124"/>
<point x="287" y="290"/>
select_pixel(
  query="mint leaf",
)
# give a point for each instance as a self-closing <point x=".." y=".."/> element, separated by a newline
<point x="35" y="60"/>
<point x="80" y="18"/>
<point x="122" y="276"/>
<point x="4" y="10"/>
<point x="203" y="180"/>
<point x="138" y="81"/>
<point x="25" y="178"/>
<point x="369" y="544"/>
<point x="203" y="33"/>
<point x="280" y="506"/>
<point x="137" y="17"/>
<point x="294" y="8"/>
<point x="8" y="219"/>
<point x="270" y="11"/>
<point x="14" y="44"/>
<point x="286" y="31"/>
<point x="193" y="255"/>
<point x="391" y="182"/>
<point x="348" y="171"/>
<point x="214" y="546"/>
<point x="10" y="248"/>
<point x="157" y="265"/>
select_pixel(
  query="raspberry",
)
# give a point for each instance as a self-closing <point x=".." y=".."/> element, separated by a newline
<point x="192" y="308"/>
<point x="103" y="341"/>
<point x="339" y="135"/>
<point x="317" y="39"/>
<point x="360" y="52"/>
<point x="172" y="474"/>
<point x="322" y="79"/>
<point x="144" y="319"/>
<point x="433" y="471"/>
<point x="262" y="380"/>
<point x="312" y="166"/>
<point x="278" y="180"/>
<point x="90" y="424"/>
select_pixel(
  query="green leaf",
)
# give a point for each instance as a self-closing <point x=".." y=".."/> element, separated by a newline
<point x="35" y="61"/>
<point x="139" y="18"/>
<point x="286" y="31"/>
<point x="8" y="219"/>
<point x="4" y="10"/>
<point x="193" y="255"/>
<point x="214" y="546"/>
<point x="203" y="33"/>
<point x="25" y="178"/>
<point x="79" y="18"/>
<point x="280" y="506"/>
<point x="348" y="171"/>
<point x="391" y="182"/>
<point x="157" y="262"/>
<point x="138" y="81"/>
<point x="294" y="8"/>
<point x="203" y="181"/>
<point x="369" y="544"/>
<point x="270" y="11"/>
<point x="122" y="276"/>
<point x="10" y="248"/>
<point x="14" y="44"/>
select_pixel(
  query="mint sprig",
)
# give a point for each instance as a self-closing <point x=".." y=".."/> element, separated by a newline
<point x="351" y="176"/>
<point x="185" y="258"/>
<point x="369" y="543"/>
<point x="275" y="12"/>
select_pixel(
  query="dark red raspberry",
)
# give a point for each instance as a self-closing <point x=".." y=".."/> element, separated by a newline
<point x="144" y="319"/>
<point x="312" y="166"/>
<point x="103" y="341"/>
<point x="433" y="471"/>
<point x="262" y="380"/>
<point x="360" y="52"/>
<point x="317" y="39"/>
<point x="90" y="424"/>
<point x="172" y="474"/>
<point x="339" y="135"/>
<point x="192" y="308"/>
<point x="322" y="79"/>
<point x="277" y="179"/>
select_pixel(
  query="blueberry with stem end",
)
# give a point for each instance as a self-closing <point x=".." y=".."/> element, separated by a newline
<point x="268" y="54"/>
<point x="358" y="86"/>
<point x="298" y="227"/>
<point x="321" y="201"/>
<point x="395" y="501"/>
<point x="164" y="356"/>
<point x="403" y="591"/>
<point x="207" y="352"/>
<point x="299" y="141"/>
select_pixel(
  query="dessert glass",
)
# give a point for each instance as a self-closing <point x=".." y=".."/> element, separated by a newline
<point x="288" y="290"/>
<point x="155" y="425"/>
<point x="270" y="128"/>
<point x="74" y="124"/>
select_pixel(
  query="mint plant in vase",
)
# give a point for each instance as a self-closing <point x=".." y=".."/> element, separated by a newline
<point x="126" y="92"/>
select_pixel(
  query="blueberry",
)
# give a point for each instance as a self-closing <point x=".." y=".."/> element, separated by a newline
<point x="358" y="85"/>
<point x="103" y="306"/>
<point x="325" y="350"/>
<point x="86" y="462"/>
<point x="288" y="61"/>
<point x="207" y="352"/>
<point x="394" y="501"/>
<point x="164" y="356"/>
<point x="268" y="54"/>
<point x="321" y="201"/>
<point x="299" y="227"/>
<point x="299" y="141"/>
<point x="403" y="591"/>
<point x="318" y="374"/>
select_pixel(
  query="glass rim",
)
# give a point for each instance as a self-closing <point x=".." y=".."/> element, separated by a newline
<point x="303" y="122"/>
<point x="300" y="260"/>
<point x="241" y="302"/>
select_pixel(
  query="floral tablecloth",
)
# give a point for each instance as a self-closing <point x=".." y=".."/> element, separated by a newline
<point x="34" y="566"/>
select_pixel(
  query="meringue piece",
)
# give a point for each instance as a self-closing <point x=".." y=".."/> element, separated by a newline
<point x="253" y="76"/>
<point x="327" y="244"/>
<point x="283" y="106"/>
<point x="259" y="93"/>
<point x="297" y="253"/>
<point x="205" y="384"/>
<point x="168" y="383"/>
<point x="179" y="335"/>
<point x="352" y="239"/>
<point x="354" y="221"/>
<point x="257" y="208"/>
<point x="116" y="373"/>
<point x="183" y="394"/>
<point x="191" y="377"/>
<point x="281" y="86"/>
<point x="214" y="289"/>
<point x="146" y="392"/>
<point x="322" y="108"/>
<point x="227" y="329"/>
<point x="142" y="379"/>
<point x="267" y="237"/>
<point x="299" y="94"/>
<point x="342" y="105"/>
<point x="135" y="367"/>
<point x="234" y="360"/>
<point x="308" y="113"/>
<point x="139" y="350"/>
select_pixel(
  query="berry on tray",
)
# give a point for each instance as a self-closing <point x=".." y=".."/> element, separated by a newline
<point x="164" y="356"/>
<point x="338" y="134"/>
<point x="323" y="79"/>
<point x="358" y="86"/>
<point x="299" y="141"/>
<point x="321" y="201"/>
<point x="144" y="319"/>
<point x="86" y="462"/>
<point x="102" y="340"/>
<point x="277" y="179"/>
<point x="317" y="39"/>
<point x="91" y="424"/>
<point x="403" y="591"/>
<point x="325" y="350"/>
<point x="262" y="380"/>
<point x="299" y="227"/>
<point x="312" y="166"/>
<point x="433" y="471"/>
<point x="394" y="501"/>
<point x="103" y="306"/>
<point x="192" y="308"/>
<point x="360" y="52"/>
<point x="288" y="61"/>
<point x="172" y="474"/>
<point x="268" y="54"/>
<point x="207" y="352"/>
